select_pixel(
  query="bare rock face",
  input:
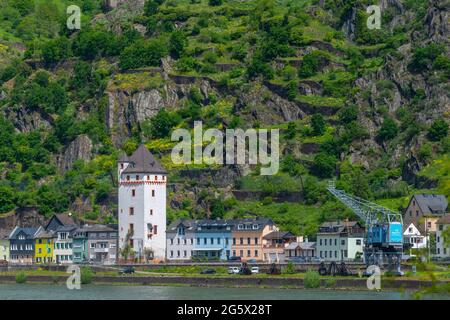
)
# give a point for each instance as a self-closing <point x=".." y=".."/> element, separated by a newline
<point x="126" y="110"/>
<point x="265" y="106"/>
<point x="26" y="217"/>
<point x="26" y="120"/>
<point x="437" y="21"/>
<point x="78" y="149"/>
<point x="113" y="4"/>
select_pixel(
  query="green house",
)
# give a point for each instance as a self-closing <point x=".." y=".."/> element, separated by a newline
<point x="80" y="246"/>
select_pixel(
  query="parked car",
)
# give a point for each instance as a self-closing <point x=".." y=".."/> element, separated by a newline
<point x="255" y="270"/>
<point x="208" y="271"/>
<point x="234" y="258"/>
<point x="233" y="270"/>
<point x="127" y="270"/>
<point x="252" y="261"/>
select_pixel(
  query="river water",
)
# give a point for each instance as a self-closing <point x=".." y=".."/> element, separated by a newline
<point x="95" y="292"/>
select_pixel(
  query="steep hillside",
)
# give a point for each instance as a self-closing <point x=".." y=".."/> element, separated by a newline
<point x="369" y="108"/>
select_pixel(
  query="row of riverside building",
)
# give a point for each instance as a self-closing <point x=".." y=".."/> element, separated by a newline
<point x="60" y="241"/>
<point x="142" y="230"/>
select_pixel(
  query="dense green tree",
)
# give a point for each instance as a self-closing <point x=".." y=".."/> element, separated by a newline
<point x="324" y="165"/>
<point x="423" y="57"/>
<point x="318" y="124"/>
<point x="215" y="2"/>
<point x="438" y="130"/>
<point x="311" y="63"/>
<point x="291" y="130"/>
<point x="258" y="67"/>
<point x="388" y="130"/>
<point x="348" y="114"/>
<point x="292" y="90"/>
<point x="6" y="199"/>
<point x="217" y="209"/>
<point x="56" y="50"/>
<point x="150" y="7"/>
<point x="177" y="43"/>
<point x="160" y="125"/>
<point x="142" y="54"/>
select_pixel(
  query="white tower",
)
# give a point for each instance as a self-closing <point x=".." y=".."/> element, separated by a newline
<point x="142" y="204"/>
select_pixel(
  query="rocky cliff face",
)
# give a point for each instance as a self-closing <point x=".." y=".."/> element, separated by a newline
<point x="78" y="149"/>
<point x="26" y="120"/>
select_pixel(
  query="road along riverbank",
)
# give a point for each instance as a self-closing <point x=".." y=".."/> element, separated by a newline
<point x="233" y="281"/>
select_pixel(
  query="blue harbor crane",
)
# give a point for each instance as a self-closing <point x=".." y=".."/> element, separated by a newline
<point x="383" y="241"/>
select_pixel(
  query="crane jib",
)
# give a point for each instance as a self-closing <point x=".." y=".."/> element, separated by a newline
<point x="384" y="227"/>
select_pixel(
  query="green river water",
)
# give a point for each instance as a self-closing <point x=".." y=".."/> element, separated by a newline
<point x="106" y="292"/>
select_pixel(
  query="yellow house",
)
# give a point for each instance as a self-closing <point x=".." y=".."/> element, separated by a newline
<point x="43" y="252"/>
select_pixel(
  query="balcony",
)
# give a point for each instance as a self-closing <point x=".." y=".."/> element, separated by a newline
<point x="274" y="245"/>
<point x="101" y="250"/>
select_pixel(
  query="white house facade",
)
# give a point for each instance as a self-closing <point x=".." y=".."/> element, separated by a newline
<point x="414" y="237"/>
<point x="142" y="204"/>
<point x="340" y="241"/>
<point x="63" y="250"/>
<point x="442" y="243"/>
<point x="180" y="240"/>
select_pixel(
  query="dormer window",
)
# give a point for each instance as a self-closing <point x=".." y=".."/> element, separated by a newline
<point x="164" y="178"/>
<point x="181" y="231"/>
<point x="21" y="237"/>
<point x="156" y="178"/>
<point x="137" y="178"/>
<point x="121" y="166"/>
<point x="128" y="178"/>
<point x="247" y="226"/>
<point x="255" y="226"/>
<point x="148" y="178"/>
<point x="240" y="226"/>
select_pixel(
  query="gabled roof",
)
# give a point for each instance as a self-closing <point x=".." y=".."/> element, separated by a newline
<point x="279" y="235"/>
<point x="142" y="161"/>
<point x="62" y="219"/>
<point x="192" y="225"/>
<point x="188" y="224"/>
<point x="432" y="204"/>
<point x="41" y="233"/>
<point x="412" y="225"/>
<point x="29" y="232"/>
<point x="260" y="222"/>
<point x="70" y="229"/>
<point x="337" y="226"/>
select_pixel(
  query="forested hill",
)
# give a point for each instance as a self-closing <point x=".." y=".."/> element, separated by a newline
<point x="369" y="108"/>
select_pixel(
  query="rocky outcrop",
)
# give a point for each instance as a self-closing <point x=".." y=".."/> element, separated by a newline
<point x="126" y="110"/>
<point x="78" y="149"/>
<point x="26" y="120"/>
<point x="26" y="217"/>
<point x="437" y="21"/>
<point x="265" y="106"/>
